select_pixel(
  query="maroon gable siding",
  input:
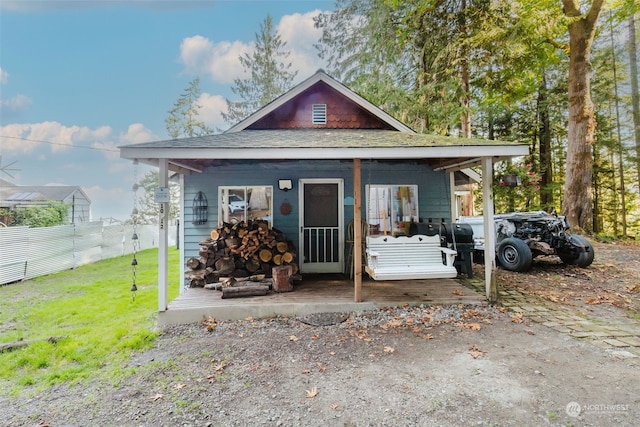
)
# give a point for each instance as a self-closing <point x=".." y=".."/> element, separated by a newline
<point x="342" y="113"/>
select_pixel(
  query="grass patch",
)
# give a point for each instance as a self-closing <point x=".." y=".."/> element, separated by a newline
<point x="93" y="309"/>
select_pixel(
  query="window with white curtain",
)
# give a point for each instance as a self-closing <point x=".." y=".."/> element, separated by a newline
<point x="391" y="208"/>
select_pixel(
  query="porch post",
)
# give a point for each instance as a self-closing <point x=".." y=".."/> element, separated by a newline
<point x="181" y="235"/>
<point x="163" y="240"/>
<point x="357" y="231"/>
<point x="452" y="195"/>
<point x="491" y="284"/>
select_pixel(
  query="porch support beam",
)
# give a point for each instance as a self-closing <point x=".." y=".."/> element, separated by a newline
<point x="357" y="230"/>
<point x="491" y="284"/>
<point x="452" y="195"/>
<point x="163" y="241"/>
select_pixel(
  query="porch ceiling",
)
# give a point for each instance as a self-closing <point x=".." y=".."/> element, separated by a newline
<point x="188" y="155"/>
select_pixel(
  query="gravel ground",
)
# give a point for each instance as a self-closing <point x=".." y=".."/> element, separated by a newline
<point x="447" y="366"/>
<point x="410" y="366"/>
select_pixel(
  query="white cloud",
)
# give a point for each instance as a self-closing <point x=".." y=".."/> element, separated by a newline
<point x="217" y="60"/>
<point x="210" y="113"/>
<point x="4" y="76"/>
<point x="220" y="60"/>
<point x="14" y="105"/>
<point x="27" y="137"/>
<point x="136" y="133"/>
<point x="298" y="31"/>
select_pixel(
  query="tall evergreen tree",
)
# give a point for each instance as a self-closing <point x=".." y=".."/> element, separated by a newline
<point x="270" y="75"/>
<point x="635" y="94"/>
<point x="578" y="200"/>
<point x="183" y="117"/>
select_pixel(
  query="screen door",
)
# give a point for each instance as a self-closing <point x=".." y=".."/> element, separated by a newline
<point x="321" y="225"/>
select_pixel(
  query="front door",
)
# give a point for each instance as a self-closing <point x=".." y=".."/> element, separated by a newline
<point x="321" y="225"/>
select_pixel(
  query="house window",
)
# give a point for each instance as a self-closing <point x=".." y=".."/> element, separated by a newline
<point x="319" y="114"/>
<point x="391" y="209"/>
<point x="239" y="204"/>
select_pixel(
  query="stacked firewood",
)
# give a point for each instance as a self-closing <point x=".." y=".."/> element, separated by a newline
<point x="240" y="250"/>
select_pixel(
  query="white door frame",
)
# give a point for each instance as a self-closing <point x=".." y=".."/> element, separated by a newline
<point x="335" y="265"/>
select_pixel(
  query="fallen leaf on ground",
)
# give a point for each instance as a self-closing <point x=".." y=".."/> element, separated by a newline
<point x="312" y="393"/>
<point x="179" y="386"/>
<point x="156" y="397"/>
<point x="293" y="338"/>
<point x="314" y="337"/>
<point x="632" y="288"/>
<point x="475" y="352"/>
<point x="209" y="323"/>
<point x="472" y="326"/>
<point x="219" y="368"/>
<point x="388" y="349"/>
<point x="516" y="318"/>
<point x="457" y="292"/>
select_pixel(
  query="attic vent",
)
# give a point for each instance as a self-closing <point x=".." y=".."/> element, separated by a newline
<point x="319" y="114"/>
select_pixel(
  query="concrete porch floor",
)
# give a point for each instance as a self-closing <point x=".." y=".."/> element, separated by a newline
<point x="317" y="294"/>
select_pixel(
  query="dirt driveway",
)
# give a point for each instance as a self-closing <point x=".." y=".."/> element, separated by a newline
<point x="517" y="364"/>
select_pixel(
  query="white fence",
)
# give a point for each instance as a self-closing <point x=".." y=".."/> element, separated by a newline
<point x="31" y="252"/>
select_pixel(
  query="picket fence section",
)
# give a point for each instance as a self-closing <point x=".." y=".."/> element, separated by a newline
<point x="26" y="252"/>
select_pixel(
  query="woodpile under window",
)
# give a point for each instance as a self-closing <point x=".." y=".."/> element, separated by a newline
<point x="239" y="251"/>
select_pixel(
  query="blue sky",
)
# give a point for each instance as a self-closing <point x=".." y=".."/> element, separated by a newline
<point x="83" y="77"/>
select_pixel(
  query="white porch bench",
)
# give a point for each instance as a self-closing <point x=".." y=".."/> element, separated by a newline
<point x="415" y="257"/>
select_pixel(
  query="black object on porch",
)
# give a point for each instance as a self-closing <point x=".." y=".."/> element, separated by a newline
<point x="457" y="236"/>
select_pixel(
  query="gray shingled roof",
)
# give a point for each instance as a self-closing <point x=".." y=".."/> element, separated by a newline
<point x="25" y="193"/>
<point x="318" y="138"/>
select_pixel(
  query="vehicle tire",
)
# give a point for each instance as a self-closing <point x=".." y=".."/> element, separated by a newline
<point x="514" y="255"/>
<point x="577" y="257"/>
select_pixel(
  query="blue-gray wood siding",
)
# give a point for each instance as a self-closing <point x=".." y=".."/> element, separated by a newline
<point x="433" y="190"/>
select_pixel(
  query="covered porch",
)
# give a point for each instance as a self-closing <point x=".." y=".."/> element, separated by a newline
<point x="320" y="293"/>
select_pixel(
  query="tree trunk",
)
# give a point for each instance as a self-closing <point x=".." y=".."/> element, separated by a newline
<point x="635" y="97"/>
<point x="582" y="124"/>
<point x="466" y="98"/>
<point x="623" y="202"/>
<point x="546" y="168"/>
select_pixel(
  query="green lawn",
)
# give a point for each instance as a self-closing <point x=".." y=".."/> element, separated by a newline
<point x="92" y="307"/>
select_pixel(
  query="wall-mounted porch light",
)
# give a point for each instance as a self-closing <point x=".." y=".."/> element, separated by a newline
<point x="285" y="184"/>
<point x="200" y="206"/>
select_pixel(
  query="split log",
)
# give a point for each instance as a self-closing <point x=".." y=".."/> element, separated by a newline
<point x="277" y="259"/>
<point x="287" y="257"/>
<point x="193" y="263"/>
<point x="225" y="266"/>
<point x="244" y="291"/>
<point x="252" y="265"/>
<point x="265" y="255"/>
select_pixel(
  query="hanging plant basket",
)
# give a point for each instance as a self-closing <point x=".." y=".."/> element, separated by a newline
<point x="511" y="180"/>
